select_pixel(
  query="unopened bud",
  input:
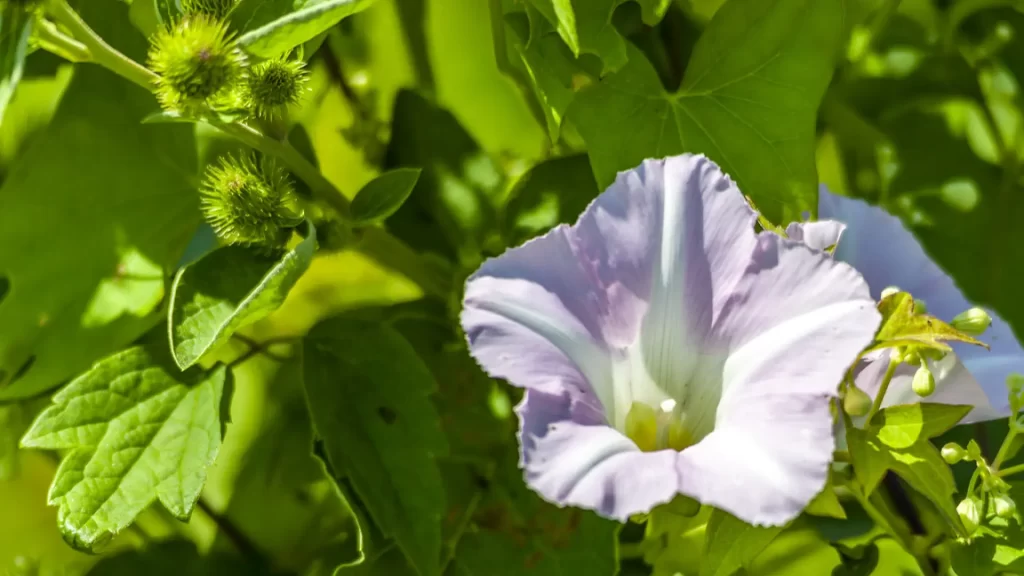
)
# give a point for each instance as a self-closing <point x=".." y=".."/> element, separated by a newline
<point x="973" y="322"/>
<point x="969" y="513"/>
<point x="920" y="307"/>
<point x="856" y="402"/>
<point x="890" y="291"/>
<point x="953" y="453"/>
<point x="973" y="450"/>
<point x="924" y="381"/>
<point x="1004" y="505"/>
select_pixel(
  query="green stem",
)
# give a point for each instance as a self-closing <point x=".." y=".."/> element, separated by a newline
<point x="1010" y="471"/>
<point x="877" y="404"/>
<point x="1005" y="448"/>
<point x="53" y="40"/>
<point x="102" y="53"/>
<point x="394" y="254"/>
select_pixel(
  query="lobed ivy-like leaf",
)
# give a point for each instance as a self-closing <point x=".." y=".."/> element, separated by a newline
<point x="135" y="429"/>
<point x="270" y="28"/>
<point x="228" y="289"/>
<point x="749" y="101"/>
<point x="368" y="397"/>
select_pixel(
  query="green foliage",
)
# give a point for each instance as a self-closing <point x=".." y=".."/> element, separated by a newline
<point x="269" y="29"/>
<point x="731" y="544"/>
<point x="229" y="289"/>
<point x="15" y="29"/>
<point x="903" y="325"/>
<point x="384" y="195"/>
<point x="367" y="392"/>
<point x="364" y="438"/>
<point x="780" y="57"/>
<point x="135" y="430"/>
<point x="126" y="212"/>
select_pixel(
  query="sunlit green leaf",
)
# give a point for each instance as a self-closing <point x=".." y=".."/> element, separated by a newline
<point x="367" y="393"/>
<point x="870" y="458"/>
<point x="136" y="430"/>
<point x="748" y="100"/>
<point x="116" y="204"/>
<point x="229" y="289"/>
<point x="383" y="195"/>
<point x="826" y="503"/>
<point x="902" y="324"/>
<point x="15" y="29"/>
<point x="731" y="544"/>
<point x="903" y="426"/>
<point x="270" y="29"/>
<point x="923" y="468"/>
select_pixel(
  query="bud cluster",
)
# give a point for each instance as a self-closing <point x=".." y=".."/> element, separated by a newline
<point x="201" y="68"/>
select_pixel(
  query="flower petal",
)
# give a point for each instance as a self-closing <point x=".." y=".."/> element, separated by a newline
<point x="571" y="460"/>
<point x="796" y="322"/>
<point x="652" y="258"/>
<point x="888" y="254"/>
<point x="765" y="461"/>
<point x="820" y="235"/>
<point x="954" y="384"/>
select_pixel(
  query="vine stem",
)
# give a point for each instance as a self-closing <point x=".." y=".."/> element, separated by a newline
<point x="102" y="53"/>
<point x="877" y="404"/>
<point x="377" y="244"/>
<point x="53" y="40"/>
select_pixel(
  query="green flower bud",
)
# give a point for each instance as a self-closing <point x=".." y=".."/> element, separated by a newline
<point x="856" y="402"/>
<point x="890" y="291"/>
<point x="273" y="86"/>
<point x="970" y="514"/>
<point x="924" y="381"/>
<point x="249" y="203"/>
<point x="920" y="307"/>
<point x="1004" y="505"/>
<point x="974" y="321"/>
<point x="953" y="453"/>
<point x="218" y="9"/>
<point x="973" y="450"/>
<point x="197" y="62"/>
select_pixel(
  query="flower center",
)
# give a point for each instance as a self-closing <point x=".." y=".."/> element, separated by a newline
<point x="658" y="404"/>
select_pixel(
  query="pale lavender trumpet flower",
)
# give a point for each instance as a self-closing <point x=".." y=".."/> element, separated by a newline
<point x="878" y="245"/>
<point x="667" y="348"/>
